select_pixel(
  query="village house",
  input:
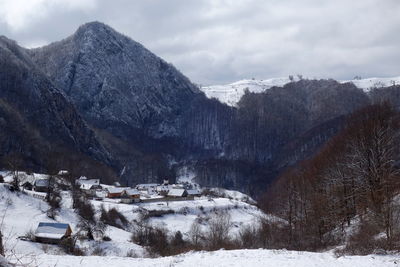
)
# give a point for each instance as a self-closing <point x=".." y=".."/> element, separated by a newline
<point x="26" y="182"/>
<point x="52" y="233"/>
<point x="177" y="193"/>
<point x="90" y="188"/>
<point x="115" y="192"/>
<point x="41" y="185"/>
<point x="150" y="189"/>
<point x="163" y="189"/>
<point x="193" y="192"/>
<point x="85" y="180"/>
<point x="130" y="196"/>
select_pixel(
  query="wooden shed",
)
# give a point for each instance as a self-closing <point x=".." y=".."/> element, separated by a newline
<point x="53" y="233"/>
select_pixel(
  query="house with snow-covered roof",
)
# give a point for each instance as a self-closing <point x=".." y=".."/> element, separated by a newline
<point x="85" y="180"/>
<point x="194" y="192"/>
<point x="41" y="185"/>
<point x="130" y="196"/>
<point x="146" y="186"/>
<point x="150" y="189"/>
<point x="53" y="233"/>
<point x="115" y="192"/>
<point x="177" y="192"/>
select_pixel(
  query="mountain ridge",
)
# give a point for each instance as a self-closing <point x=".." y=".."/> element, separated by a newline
<point x="231" y="93"/>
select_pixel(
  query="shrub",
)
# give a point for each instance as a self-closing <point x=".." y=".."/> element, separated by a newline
<point x="87" y="220"/>
<point x="156" y="213"/>
<point x="154" y="238"/>
<point x="68" y="246"/>
<point x="195" y="234"/>
<point x="1" y="244"/>
<point x="247" y="237"/>
<point x="98" y="251"/>
<point x="218" y="232"/>
<point x="106" y="238"/>
<point x="30" y="235"/>
<point x="132" y="254"/>
<point x="178" y="241"/>
<point x="364" y="241"/>
<point x="54" y="201"/>
<point x="113" y="217"/>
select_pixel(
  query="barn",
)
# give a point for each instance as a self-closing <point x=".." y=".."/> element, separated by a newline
<point x="53" y="233"/>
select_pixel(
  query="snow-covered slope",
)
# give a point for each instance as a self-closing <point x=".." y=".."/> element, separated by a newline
<point x="231" y="93"/>
<point x="225" y="258"/>
<point x="22" y="213"/>
<point x="370" y="83"/>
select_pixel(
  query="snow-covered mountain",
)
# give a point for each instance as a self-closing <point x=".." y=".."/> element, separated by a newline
<point x="231" y="93"/>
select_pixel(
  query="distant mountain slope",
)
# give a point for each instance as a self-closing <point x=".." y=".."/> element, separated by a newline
<point x="231" y="93"/>
<point x="149" y="118"/>
<point x="144" y="109"/>
<point x="115" y="82"/>
<point x="36" y="119"/>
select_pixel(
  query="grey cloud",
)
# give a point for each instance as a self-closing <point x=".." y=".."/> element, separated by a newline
<point x="219" y="41"/>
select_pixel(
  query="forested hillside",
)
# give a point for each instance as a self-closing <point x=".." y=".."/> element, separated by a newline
<point x="352" y="183"/>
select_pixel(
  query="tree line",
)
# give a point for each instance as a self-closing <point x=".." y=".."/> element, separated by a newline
<point x="352" y="183"/>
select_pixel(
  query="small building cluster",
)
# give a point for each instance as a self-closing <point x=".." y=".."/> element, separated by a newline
<point x="33" y="183"/>
<point x="139" y="193"/>
<point x="38" y="185"/>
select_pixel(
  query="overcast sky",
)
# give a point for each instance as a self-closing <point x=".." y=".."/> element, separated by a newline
<point x="221" y="41"/>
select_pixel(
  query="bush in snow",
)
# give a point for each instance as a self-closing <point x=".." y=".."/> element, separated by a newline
<point x="30" y="235"/>
<point x="53" y="199"/>
<point x="113" y="217"/>
<point x="218" y="232"/>
<point x="68" y="245"/>
<point x="1" y="244"/>
<point x="154" y="238"/>
<point x="87" y="220"/>
<point x="195" y="234"/>
<point x="364" y="241"/>
<point x="156" y="213"/>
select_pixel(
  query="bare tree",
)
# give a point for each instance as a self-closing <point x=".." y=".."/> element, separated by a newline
<point x="218" y="232"/>
<point x="195" y="234"/>
<point x="1" y="244"/>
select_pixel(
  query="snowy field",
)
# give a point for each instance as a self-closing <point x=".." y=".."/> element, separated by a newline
<point x="231" y="93"/>
<point x="221" y="258"/>
<point x="22" y="213"/>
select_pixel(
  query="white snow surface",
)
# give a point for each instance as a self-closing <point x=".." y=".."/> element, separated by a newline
<point x="230" y="94"/>
<point x="225" y="258"/>
<point x="23" y="212"/>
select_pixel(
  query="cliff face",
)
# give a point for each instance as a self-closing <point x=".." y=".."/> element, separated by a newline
<point x="117" y="83"/>
<point x="35" y="117"/>
<point x="141" y="106"/>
